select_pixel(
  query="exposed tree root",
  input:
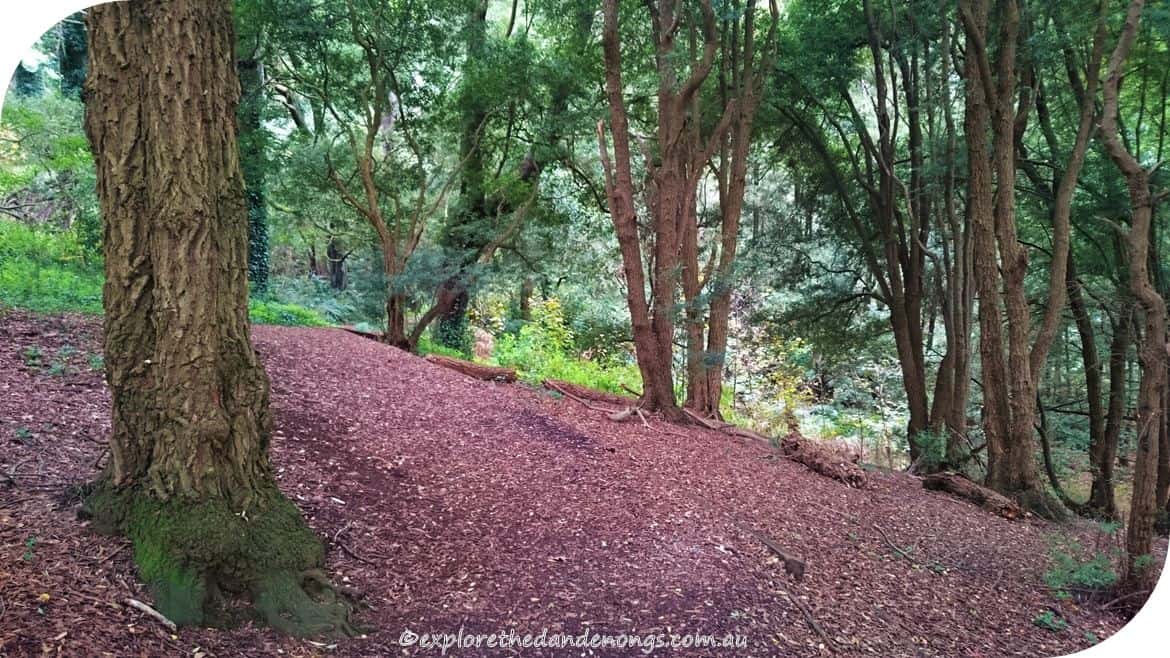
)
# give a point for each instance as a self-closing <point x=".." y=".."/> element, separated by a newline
<point x="196" y="555"/>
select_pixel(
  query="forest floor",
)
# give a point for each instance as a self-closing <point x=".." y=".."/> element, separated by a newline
<point x="450" y="502"/>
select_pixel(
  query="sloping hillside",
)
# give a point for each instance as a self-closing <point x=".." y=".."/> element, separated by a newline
<point x="448" y="502"/>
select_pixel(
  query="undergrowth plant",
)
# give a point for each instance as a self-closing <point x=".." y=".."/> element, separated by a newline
<point x="543" y="349"/>
<point x="1074" y="569"/>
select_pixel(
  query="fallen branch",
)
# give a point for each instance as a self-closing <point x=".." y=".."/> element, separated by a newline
<point x="1125" y="597"/>
<point x="958" y="485"/>
<point x="476" y="370"/>
<point x="900" y="551"/>
<point x="591" y="394"/>
<point x="365" y="334"/>
<point x="822" y="460"/>
<point x="554" y="385"/>
<point x="158" y="616"/>
<point x="808" y="616"/>
<point x="792" y="566"/>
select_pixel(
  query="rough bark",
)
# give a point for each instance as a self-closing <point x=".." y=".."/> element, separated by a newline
<point x="1140" y="573"/>
<point x="189" y="480"/>
<point x="1009" y="391"/>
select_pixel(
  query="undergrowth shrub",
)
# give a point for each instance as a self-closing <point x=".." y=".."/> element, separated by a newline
<point x="544" y="349"/>
<point x="1073" y="568"/>
<point x="262" y="311"/>
<point x="47" y="271"/>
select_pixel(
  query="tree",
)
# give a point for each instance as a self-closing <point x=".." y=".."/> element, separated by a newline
<point x="742" y="74"/>
<point x="189" y="481"/>
<point x="1139" y="572"/>
<point x="673" y="172"/>
<point x="1009" y="383"/>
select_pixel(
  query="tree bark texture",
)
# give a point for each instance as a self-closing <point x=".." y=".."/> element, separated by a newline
<point x="189" y="479"/>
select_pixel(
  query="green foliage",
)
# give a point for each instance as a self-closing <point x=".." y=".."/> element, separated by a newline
<point x="933" y="446"/>
<point x="428" y="346"/>
<point x="32" y="356"/>
<point x="46" y="170"/>
<point x="97" y="362"/>
<point x="47" y="271"/>
<point x="542" y="349"/>
<point x="1049" y="621"/>
<point x="30" y="545"/>
<point x="263" y="311"/>
<point x="1069" y="569"/>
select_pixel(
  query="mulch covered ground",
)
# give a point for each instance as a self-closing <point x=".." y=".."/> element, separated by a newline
<point x="450" y="502"/>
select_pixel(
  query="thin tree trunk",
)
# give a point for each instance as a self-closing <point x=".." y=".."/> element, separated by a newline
<point x="1140" y="573"/>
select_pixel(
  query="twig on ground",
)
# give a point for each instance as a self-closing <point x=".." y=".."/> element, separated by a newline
<point x="113" y="553"/>
<point x="345" y="549"/>
<point x="900" y="551"/>
<point x="155" y="614"/>
<point x="642" y="416"/>
<point x="1124" y="597"/>
<point x="808" y="616"/>
<point x="583" y="401"/>
<point x="794" y="567"/>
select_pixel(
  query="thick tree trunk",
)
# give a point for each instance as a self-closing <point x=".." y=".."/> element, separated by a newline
<point x="396" y="322"/>
<point x="337" y="279"/>
<point x="189" y="480"/>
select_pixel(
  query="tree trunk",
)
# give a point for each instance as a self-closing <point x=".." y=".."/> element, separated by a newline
<point x="253" y="140"/>
<point x="189" y="481"/>
<point x="1091" y="363"/>
<point x="1009" y="393"/>
<point x="1140" y="572"/>
<point x="337" y="279"/>
<point x="466" y="234"/>
<point x="1101" y="496"/>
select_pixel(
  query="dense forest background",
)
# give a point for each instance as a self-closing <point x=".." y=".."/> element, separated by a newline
<point x="802" y="214"/>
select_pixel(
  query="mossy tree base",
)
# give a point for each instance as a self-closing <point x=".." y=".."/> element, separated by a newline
<point x="199" y="556"/>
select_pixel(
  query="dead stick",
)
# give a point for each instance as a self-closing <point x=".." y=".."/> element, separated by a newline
<point x="642" y="416"/>
<point x="894" y="546"/>
<point x="808" y="616"/>
<point x="1124" y="597"/>
<point x="158" y="616"/>
<point x="792" y="566"/>
<point x="569" y="395"/>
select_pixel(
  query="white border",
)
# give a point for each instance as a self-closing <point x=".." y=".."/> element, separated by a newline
<point x="22" y="26"/>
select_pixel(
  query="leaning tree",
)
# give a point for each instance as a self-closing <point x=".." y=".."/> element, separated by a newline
<point x="189" y="481"/>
